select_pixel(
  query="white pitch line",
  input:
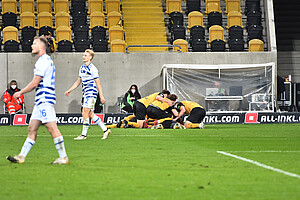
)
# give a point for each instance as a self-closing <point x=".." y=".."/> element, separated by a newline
<point x="260" y="164"/>
<point x="266" y="151"/>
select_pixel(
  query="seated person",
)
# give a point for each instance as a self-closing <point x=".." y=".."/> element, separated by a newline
<point x="12" y="104"/>
<point x="51" y="42"/>
<point x="219" y="105"/>
<point x="129" y="98"/>
<point x="195" y="112"/>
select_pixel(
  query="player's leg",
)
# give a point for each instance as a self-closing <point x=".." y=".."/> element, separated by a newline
<point x="139" y="111"/>
<point x="85" y="122"/>
<point x="33" y="126"/>
<point x="58" y="142"/>
<point x="100" y="123"/>
<point x="195" y="119"/>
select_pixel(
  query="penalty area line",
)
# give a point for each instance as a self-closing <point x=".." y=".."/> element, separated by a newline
<point x="260" y="164"/>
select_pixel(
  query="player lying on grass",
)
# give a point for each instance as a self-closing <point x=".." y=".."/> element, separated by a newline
<point x="140" y="106"/>
<point x="195" y="112"/>
<point x="89" y="77"/>
<point x="43" y="112"/>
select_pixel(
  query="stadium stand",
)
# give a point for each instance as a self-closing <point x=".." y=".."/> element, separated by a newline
<point x="233" y="5"/>
<point x="79" y="19"/>
<point x="11" y="39"/>
<point x="118" y="45"/>
<point x="9" y="19"/>
<point x="193" y="5"/>
<point x="144" y="24"/>
<point x="26" y="6"/>
<point x="62" y="19"/>
<point x="178" y="32"/>
<point x="64" y="39"/>
<point x="217" y="45"/>
<point x="114" y="19"/>
<point x="182" y="43"/>
<point x="173" y="6"/>
<point x="100" y="45"/>
<point x="214" y="18"/>
<point x="9" y="6"/>
<point x="61" y="6"/>
<point x="234" y="18"/>
<point x="195" y="18"/>
<point x="97" y="19"/>
<point x="255" y="32"/>
<point x="216" y="32"/>
<point x="236" y="44"/>
<point x="252" y="5"/>
<point x="112" y="5"/>
<point x="256" y="45"/>
<point x="212" y="5"/>
<point x="44" y="6"/>
<point x="98" y="32"/>
<point x="27" y="19"/>
<point x="95" y="6"/>
<point x="199" y="45"/>
<point x="27" y="35"/>
<point x="175" y="18"/>
<point x="78" y="6"/>
<point x="116" y="32"/>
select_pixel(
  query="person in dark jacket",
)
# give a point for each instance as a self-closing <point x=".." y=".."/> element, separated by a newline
<point x="129" y="98"/>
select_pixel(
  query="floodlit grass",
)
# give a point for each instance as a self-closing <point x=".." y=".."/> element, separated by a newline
<point x="155" y="164"/>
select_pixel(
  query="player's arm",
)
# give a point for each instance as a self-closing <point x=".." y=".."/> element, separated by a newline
<point x="31" y="86"/>
<point x="73" y="87"/>
<point x="99" y="87"/>
<point x="160" y="98"/>
<point x="182" y="111"/>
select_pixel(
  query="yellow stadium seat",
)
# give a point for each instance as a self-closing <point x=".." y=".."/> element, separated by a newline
<point x="182" y="43"/>
<point x="216" y="32"/>
<point x="45" y="19"/>
<point x="63" y="33"/>
<point x="212" y="5"/>
<point x="173" y="5"/>
<point x="26" y="6"/>
<point x="113" y="19"/>
<point x="234" y="18"/>
<point x="256" y="45"/>
<point x="195" y="18"/>
<point x="116" y="32"/>
<point x="112" y="5"/>
<point x="118" y="45"/>
<point x="233" y="5"/>
<point x="44" y="6"/>
<point x="9" y="6"/>
<point x="95" y="6"/>
<point x="97" y="19"/>
<point x="10" y="33"/>
<point x="62" y="19"/>
<point x="61" y="6"/>
<point x="27" y="19"/>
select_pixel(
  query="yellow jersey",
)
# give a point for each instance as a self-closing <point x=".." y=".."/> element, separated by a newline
<point x="189" y="105"/>
<point x="150" y="99"/>
<point x="161" y="105"/>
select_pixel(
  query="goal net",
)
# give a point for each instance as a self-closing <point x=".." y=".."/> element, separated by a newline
<point x="223" y="88"/>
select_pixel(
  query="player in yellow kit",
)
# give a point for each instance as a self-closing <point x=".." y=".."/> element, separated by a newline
<point x="195" y="112"/>
<point x="140" y="106"/>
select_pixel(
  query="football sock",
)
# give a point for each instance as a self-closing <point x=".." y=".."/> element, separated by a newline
<point x="128" y="118"/>
<point x="85" y="126"/>
<point x="160" y="121"/>
<point x="133" y="124"/>
<point x="26" y="147"/>
<point x="99" y="122"/>
<point x="192" y="125"/>
<point x="60" y="146"/>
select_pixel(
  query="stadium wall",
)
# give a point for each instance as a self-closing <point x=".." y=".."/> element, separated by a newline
<point x="117" y="72"/>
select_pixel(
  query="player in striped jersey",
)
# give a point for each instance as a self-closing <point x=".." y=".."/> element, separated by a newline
<point x="195" y="112"/>
<point x="43" y="111"/>
<point x="89" y="77"/>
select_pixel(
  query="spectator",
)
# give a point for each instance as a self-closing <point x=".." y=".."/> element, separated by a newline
<point x="12" y="104"/>
<point x="129" y="98"/>
<point x="51" y="42"/>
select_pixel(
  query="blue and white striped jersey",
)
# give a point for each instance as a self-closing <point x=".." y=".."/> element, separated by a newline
<point x="87" y="75"/>
<point x="45" y="91"/>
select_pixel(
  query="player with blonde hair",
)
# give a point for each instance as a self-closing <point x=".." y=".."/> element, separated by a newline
<point x="89" y="77"/>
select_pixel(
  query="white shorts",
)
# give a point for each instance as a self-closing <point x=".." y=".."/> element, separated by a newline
<point x="44" y="113"/>
<point x="89" y="102"/>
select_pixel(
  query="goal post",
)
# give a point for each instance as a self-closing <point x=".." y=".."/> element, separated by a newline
<point x="224" y="87"/>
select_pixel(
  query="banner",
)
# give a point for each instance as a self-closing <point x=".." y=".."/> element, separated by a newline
<point x="210" y="118"/>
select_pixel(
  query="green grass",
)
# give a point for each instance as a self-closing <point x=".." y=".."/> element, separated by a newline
<point x="155" y="164"/>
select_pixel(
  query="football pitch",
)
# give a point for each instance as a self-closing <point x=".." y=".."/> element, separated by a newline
<point x="256" y="161"/>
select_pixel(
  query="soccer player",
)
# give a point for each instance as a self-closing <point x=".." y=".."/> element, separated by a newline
<point x="140" y="106"/>
<point x="43" y="112"/>
<point x="89" y="77"/>
<point x="194" y="110"/>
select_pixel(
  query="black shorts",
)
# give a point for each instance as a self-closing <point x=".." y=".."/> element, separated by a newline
<point x="139" y="110"/>
<point x="157" y="113"/>
<point x="197" y="115"/>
